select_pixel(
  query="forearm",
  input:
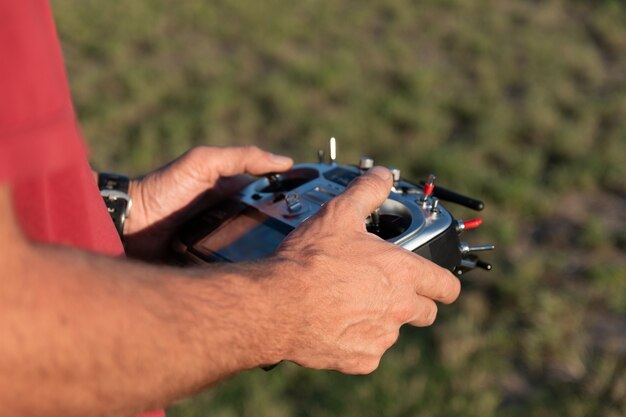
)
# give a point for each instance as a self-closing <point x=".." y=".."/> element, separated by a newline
<point x="89" y="335"/>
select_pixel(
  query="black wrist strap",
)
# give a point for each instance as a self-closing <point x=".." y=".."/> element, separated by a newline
<point x="114" y="191"/>
<point x="108" y="181"/>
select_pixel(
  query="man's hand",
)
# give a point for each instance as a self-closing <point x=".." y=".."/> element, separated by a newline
<point x="165" y="198"/>
<point x="334" y="297"/>
<point x="344" y="292"/>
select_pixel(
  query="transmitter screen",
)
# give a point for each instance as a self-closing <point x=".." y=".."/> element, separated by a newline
<point x="247" y="236"/>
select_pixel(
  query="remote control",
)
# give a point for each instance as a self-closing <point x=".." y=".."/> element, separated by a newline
<point x="252" y="223"/>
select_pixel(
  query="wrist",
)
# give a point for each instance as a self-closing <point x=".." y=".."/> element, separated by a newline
<point x="147" y="234"/>
<point x="134" y="222"/>
<point x="280" y="292"/>
<point x="251" y="325"/>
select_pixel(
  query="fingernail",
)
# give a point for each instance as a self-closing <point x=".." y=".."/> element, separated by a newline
<point x="281" y="160"/>
<point x="381" y="172"/>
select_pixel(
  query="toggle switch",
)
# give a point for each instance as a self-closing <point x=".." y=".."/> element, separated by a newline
<point x="333" y="151"/>
<point x="320" y="156"/>
<point x="434" y="207"/>
<point x="472" y="262"/>
<point x="375" y="221"/>
<point x="293" y="202"/>
<point x="468" y="224"/>
<point x="476" y="263"/>
<point x="429" y="187"/>
<point x="395" y="174"/>
<point x="465" y="248"/>
<point x="447" y="195"/>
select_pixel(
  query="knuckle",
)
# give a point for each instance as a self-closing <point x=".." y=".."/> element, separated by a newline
<point x="369" y="366"/>
<point x="370" y="184"/>
<point x="404" y="312"/>
<point x="427" y="313"/>
<point x="235" y="152"/>
<point x="314" y="258"/>
<point x="252" y="149"/>
<point x="361" y="365"/>
<point x="330" y="208"/>
<point x="251" y="152"/>
<point x="390" y="339"/>
<point x="349" y="367"/>
<point x="431" y="314"/>
<point x="452" y="289"/>
<point x="199" y="156"/>
<point x="337" y="209"/>
<point x="198" y="152"/>
<point x="457" y="289"/>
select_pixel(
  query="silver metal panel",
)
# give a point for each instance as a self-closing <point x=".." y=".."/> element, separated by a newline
<point x="425" y="225"/>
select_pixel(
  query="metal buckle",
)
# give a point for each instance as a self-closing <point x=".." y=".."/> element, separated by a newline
<point x="114" y="195"/>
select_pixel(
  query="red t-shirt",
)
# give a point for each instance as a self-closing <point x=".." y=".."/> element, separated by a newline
<point x="42" y="156"/>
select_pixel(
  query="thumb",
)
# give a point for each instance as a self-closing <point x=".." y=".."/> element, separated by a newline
<point x="230" y="161"/>
<point x="365" y="194"/>
<point x="256" y="161"/>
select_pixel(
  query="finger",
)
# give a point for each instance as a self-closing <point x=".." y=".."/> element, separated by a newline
<point x="425" y="312"/>
<point x="430" y="279"/>
<point x="231" y="161"/>
<point x="233" y="183"/>
<point x="364" y="195"/>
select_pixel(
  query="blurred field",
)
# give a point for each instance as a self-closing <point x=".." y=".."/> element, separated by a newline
<point x="522" y="103"/>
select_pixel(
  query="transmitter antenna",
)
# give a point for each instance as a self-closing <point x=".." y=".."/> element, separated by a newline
<point x="333" y="151"/>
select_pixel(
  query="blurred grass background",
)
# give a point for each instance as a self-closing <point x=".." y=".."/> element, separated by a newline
<point x="519" y="102"/>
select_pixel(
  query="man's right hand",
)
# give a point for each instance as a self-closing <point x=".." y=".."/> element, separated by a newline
<point x="343" y="293"/>
<point x="333" y="297"/>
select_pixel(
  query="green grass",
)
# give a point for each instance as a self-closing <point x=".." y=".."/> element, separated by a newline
<point x="522" y="103"/>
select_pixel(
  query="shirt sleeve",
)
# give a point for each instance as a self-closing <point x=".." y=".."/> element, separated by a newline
<point x="37" y="122"/>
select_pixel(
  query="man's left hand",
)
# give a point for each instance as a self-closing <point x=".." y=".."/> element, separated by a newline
<point x="165" y="198"/>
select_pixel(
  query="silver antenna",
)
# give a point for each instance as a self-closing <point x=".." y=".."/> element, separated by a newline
<point x="333" y="150"/>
